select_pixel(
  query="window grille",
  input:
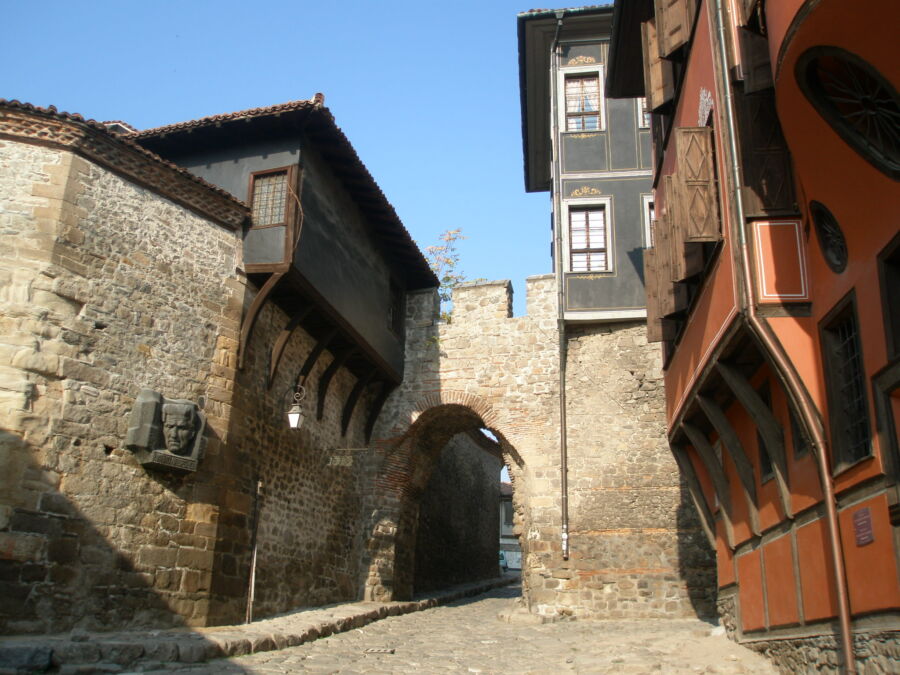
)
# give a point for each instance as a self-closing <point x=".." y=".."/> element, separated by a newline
<point x="587" y="240"/>
<point x="849" y="413"/>
<point x="583" y="103"/>
<point x="269" y="198"/>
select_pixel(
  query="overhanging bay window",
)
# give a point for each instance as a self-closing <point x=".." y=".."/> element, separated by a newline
<point x="588" y="239"/>
<point x="268" y="195"/>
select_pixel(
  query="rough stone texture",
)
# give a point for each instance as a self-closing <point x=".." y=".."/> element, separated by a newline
<point x="139" y="651"/>
<point x="877" y="653"/>
<point x="105" y="287"/>
<point x="457" y="536"/>
<point x="636" y="548"/>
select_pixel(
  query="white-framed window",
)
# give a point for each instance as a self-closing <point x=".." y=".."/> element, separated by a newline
<point x="589" y="240"/>
<point x="643" y="113"/>
<point x="581" y="93"/>
<point x="648" y="214"/>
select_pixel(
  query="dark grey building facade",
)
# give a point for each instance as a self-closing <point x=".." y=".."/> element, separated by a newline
<point x="593" y="155"/>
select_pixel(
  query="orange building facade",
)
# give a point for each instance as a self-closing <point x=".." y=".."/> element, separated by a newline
<point x="773" y="286"/>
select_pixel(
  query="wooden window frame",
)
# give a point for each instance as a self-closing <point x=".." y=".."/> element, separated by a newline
<point x="643" y="113"/>
<point x="604" y="205"/>
<point x="290" y="178"/>
<point x="842" y="459"/>
<point x="580" y="72"/>
<point x="648" y="214"/>
<point x="889" y="281"/>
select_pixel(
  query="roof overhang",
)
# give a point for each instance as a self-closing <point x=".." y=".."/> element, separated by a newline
<point x="311" y="120"/>
<point x="537" y="31"/>
<point x="625" y="64"/>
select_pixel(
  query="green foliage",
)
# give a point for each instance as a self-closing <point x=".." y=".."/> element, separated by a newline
<point x="444" y="261"/>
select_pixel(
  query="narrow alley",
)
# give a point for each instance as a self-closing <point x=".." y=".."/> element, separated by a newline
<point x="476" y="635"/>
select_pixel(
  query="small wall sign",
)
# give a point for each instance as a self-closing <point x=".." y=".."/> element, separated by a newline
<point x="862" y="527"/>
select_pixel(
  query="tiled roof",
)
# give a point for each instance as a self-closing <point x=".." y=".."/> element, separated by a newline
<point x="124" y="139"/>
<point x="218" y="120"/>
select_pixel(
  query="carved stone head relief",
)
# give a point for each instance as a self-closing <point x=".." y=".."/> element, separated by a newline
<point x="166" y="433"/>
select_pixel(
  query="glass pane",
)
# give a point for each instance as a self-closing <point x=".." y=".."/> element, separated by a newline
<point x="269" y="198"/>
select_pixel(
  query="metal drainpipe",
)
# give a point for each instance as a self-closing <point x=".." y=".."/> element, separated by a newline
<point x="763" y="332"/>
<point x="560" y="294"/>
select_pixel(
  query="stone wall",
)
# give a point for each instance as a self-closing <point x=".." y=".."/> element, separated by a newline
<point x="457" y="533"/>
<point x="105" y="287"/>
<point x="109" y="288"/>
<point x="636" y="549"/>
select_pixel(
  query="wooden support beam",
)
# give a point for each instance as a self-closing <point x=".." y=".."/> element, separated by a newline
<point x="720" y="482"/>
<point x="352" y="399"/>
<point x="735" y="449"/>
<point x="339" y="359"/>
<point x="696" y="492"/>
<point x="377" y="405"/>
<point x="316" y="352"/>
<point x="253" y="313"/>
<point x="769" y="428"/>
<point x="281" y="342"/>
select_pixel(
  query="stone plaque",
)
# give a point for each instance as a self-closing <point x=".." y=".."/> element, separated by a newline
<point x="862" y="527"/>
<point x="166" y="434"/>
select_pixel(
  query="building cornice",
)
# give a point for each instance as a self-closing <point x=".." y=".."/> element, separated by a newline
<point x="92" y="141"/>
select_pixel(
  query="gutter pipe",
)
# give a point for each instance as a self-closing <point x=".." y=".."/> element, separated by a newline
<point x="767" y="338"/>
<point x="560" y="293"/>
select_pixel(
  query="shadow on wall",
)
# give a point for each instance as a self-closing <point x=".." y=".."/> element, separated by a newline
<point x="59" y="571"/>
<point x="457" y="533"/>
<point x="696" y="559"/>
<point x="401" y="482"/>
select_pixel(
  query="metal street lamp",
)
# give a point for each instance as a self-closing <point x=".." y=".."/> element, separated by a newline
<point x="295" y="414"/>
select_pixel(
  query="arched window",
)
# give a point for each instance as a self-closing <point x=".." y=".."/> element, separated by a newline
<point x="857" y="101"/>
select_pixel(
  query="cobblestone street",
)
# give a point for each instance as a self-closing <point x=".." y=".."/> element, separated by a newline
<point x="467" y="636"/>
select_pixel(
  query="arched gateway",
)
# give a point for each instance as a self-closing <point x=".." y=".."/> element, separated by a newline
<point x="636" y="549"/>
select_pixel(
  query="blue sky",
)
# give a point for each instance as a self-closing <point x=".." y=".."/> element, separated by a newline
<point x="426" y="92"/>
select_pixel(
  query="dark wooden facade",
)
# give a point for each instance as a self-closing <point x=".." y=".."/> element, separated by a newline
<point x="336" y="259"/>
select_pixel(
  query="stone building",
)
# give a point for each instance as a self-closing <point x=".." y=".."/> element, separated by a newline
<point x="773" y="287"/>
<point x="170" y="291"/>
<point x="129" y="283"/>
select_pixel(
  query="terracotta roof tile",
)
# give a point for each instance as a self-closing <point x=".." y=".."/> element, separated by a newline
<point x="125" y="139"/>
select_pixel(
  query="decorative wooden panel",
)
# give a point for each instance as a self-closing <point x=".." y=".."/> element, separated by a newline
<point x="768" y="177"/>
<point x="755" y="65"/>
<point x="659" y="82"/>
<point x="698" y="200"/>
<point x="673" y="23"/>
<point x="687" y="258"/>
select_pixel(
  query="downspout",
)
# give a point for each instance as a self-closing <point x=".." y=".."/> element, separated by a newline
<point x="560" y="292"/>
<point x="805" y="406"/>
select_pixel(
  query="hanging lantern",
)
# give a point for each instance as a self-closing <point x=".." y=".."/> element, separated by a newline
<point x="295" y="414"/>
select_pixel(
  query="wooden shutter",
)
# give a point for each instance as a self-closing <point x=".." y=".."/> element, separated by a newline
<point x="756" y="68"/>
<point x="687" y="258"/>
<point x="673" y="23"/>
<point x="748" y="7"/>
<point x="670" y="253"/>
<point x="659" y="83"/>
<point x="651" y="286"/>
<point x="699" y="205"/>
<point x="768" y="178"/>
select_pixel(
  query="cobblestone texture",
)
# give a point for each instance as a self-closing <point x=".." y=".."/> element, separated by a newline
<point x="468" y="636"/>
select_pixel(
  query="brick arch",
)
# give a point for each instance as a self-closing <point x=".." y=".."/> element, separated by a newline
<point x="406" y="462"/>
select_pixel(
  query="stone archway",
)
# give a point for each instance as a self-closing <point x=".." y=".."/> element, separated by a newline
<point x="406" y="464"/>
<point x="634" y="549"/>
